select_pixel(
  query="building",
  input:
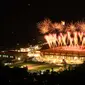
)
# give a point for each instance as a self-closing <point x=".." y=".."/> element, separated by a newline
<point x="12" y="55"/>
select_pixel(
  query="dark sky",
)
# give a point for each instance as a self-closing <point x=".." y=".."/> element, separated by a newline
<point x="21" y="17"/>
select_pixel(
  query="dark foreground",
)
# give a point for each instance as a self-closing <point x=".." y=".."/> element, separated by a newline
<point x="20" y="76"/>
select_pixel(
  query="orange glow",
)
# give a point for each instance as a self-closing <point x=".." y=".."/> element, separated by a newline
<point x="44" y="26"/>
<point x="48" y="26"/>
<point x="68" y="34"/>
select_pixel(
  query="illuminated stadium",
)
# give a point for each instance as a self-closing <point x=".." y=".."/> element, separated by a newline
<point x="66" y="42"/>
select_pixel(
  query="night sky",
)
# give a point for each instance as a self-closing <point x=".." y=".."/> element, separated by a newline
<point x="21" y="18"/>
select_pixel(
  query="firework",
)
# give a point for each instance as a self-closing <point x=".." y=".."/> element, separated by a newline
<point x="68" y="39"/>
<point x="44" y="26"/>
<point x="71" y="27"/>
<point x="51" y="40"/>
<point x="64" y="39"/>
<point x="58" y="26"/>
<point x="81" y="26"/>
<point x="80" y="36"/>
<point x="83" y="42"/>
<point x="75" y="38"/>
<point x="67" y="35"/>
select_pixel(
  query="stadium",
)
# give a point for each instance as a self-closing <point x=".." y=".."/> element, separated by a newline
<point x="59" y="55"/>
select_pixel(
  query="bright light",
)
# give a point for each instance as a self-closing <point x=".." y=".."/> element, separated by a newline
<point x="28" y="49"/>
<point x="33" y="54"/>
<point x="63" y="22"/>
<point x="19" y="58"/>
<point x="59" y="60"/>
<point x="30" y="54"/>
<point x="22" y="50"/>
<point x="25" y="49"/>
<point x="36" y="47"/>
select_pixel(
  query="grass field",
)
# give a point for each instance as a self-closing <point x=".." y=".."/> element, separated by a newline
<point x="36" y="66"/>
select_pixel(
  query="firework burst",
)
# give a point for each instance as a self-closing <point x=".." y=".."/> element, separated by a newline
<point x="72" y="34"/>
<point x="44" y="26"/>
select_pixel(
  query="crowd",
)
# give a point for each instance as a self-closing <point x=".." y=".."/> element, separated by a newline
<point x="20" y="76"/>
